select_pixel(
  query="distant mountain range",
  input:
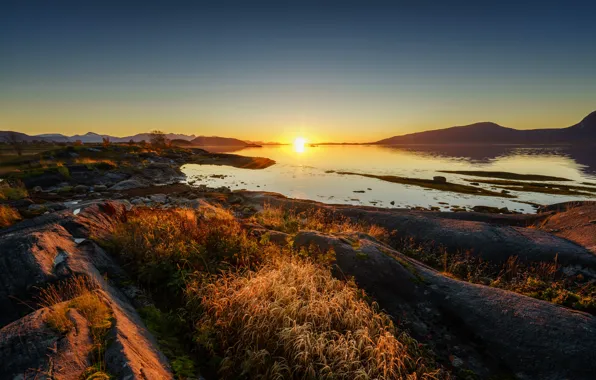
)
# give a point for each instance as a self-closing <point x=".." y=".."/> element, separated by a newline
<point x="91" y="137"/>
<point x="583" y="132"/>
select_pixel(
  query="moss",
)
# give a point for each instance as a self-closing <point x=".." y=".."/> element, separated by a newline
<point x="361" y="255"/>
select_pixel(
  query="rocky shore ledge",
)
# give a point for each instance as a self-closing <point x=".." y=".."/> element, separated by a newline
<point x="478" y="296"/>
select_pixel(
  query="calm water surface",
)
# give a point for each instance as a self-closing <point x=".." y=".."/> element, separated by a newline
<point x="304" y="173"/>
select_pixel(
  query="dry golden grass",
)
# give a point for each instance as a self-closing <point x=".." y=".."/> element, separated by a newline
<point x="290" y="221"/>
<point x="8" y="216"/>
<point x="161" y="244"/>
<point x="293" y="320"/>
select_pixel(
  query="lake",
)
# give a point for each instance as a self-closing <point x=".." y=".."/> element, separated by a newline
<point x="305" y="173"/>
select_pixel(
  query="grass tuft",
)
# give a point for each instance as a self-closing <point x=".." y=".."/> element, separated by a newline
<point x="8" y="216"/>
<point x="290" y="221"/>
<point x="293" y="320"/>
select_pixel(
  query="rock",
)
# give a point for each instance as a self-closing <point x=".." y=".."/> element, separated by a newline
<point x="439" y="179"/>
<point x="37" y="209"/>
<point x="81" y="189"/>
<point x="100" y="188"/>
<point x="592" y="221"/>
<point x="55" y="206"/>
<point x="73" y="155"/>
<point x="505" y="192"/>
<point x="392" y="203"/>
<point x="129" y="184"/>
<point x="137" y="201"/>
<point x="474" y="184"/>
<point x="37" y="189"/>
<point x="516" y="331"/>
<point x="29" y="347"/>
<point x="487" y="209"/>
<point x="21" y="203"/>
<point x="359" y="191"/>
<point x="65" y="189"/>
<point x="224" y="189"/>
<point x="158" y="198"/>
<point x="235" y="200"/>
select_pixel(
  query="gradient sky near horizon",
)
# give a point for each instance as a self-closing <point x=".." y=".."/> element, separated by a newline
<point x="348" y="71"/>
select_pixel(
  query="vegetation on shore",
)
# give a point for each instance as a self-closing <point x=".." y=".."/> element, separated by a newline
<point x="539" y="187"/>
<point x="545" y="281"/>
<point x="290" y="221"/>
<point x="206" y="272"/>
<point x="505" y="175"/>
<point x="432" y="184"/>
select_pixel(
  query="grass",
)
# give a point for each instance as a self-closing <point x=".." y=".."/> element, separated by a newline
<point x="12" y="193"/>
<point x="236" y="307"/>
<point x="431" y="184"/>
<point x="290" y="221"/>
<point x="8" y="216"/>
<point x="544" y="281"/>
<point x="79" y="293"/>
<point x="505" y="175"/>
<point x="293" y="320"/>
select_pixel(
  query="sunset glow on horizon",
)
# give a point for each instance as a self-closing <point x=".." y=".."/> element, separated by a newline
<point x="352" y="73"/>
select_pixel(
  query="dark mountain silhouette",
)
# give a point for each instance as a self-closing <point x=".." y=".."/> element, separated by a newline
<point x="218" y="141"/>
<point x="583" y="132"/>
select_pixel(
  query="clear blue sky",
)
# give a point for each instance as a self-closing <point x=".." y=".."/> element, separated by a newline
<point x="345" y="71"/>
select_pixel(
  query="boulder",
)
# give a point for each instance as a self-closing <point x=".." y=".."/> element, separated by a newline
<point x="81" y="189"/>
<point x="439" y="179"/>
<point x="29" y="348"/>
<point x="158" y="198"/>
<point x="100" y="188"/>
<point x="129" y="184"/>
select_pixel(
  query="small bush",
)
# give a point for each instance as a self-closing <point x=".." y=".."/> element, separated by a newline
<point x="12" y="193"/>
<point x="290" y="221"/>
<point x="8" y="216"/>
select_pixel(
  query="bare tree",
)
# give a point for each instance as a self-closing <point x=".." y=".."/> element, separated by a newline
<point x="13" y="140"/>
<point x="158" y="139"/>
<point x="105" y="142"/>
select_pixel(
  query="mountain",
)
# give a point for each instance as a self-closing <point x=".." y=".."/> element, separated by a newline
<point x="4" y="135"/>
<point x="583" y="132"/>
<point x="218" y="141"/>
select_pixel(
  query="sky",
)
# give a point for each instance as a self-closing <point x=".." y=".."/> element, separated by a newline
<point x="350" y="71"/>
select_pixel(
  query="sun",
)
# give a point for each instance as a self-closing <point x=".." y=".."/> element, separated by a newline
<point x="299" y="143"/>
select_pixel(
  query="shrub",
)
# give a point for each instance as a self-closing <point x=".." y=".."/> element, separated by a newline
<point x="293" y="320"/>
<point x="163" y="246"/>
<point x="290" y="221"/>
<point x="12" y="193"/>
<point x="8" y="216"/>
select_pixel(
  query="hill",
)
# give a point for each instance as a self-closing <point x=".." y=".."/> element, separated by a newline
<point x="218" y="141"/>
<point x="487" y="132"/>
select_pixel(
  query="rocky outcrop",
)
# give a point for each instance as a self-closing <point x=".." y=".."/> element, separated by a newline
<point x="31" y="349"/>
<point x="490" y="241"/>
<point x="34" y="255"/>
<point x="488" y="330"/>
